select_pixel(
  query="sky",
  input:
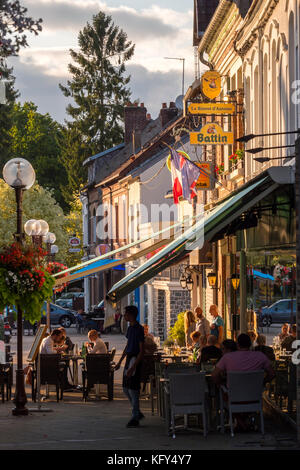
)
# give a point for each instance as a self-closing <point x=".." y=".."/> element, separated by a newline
<point x="162" y="28"/>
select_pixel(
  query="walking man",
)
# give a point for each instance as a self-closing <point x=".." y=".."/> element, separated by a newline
<point x="134" y="352"/>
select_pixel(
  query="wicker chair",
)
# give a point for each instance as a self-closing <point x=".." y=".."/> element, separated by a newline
<point x="51" y="371"/>
<point x="98" y="370"/>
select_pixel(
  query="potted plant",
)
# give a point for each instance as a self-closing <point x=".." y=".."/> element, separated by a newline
<point x="219" y="169"/>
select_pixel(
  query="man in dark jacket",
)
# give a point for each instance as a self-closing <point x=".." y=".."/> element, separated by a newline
<point x="134" y="352"/>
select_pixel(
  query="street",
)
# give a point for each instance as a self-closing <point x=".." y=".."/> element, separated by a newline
<point x="100" y="424"/>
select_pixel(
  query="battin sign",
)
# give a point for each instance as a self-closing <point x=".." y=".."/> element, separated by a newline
<point x="211" y="134"/>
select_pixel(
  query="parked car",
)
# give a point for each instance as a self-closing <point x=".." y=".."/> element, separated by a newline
<point x="279" y="312"/>
<point x="65" y="303"/>
<point x="59" y="315"/>
<point x="98" y="310"/>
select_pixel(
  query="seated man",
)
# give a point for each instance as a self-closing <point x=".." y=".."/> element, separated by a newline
<point x="261" y="346"/>
<point x="150" y="345"/>
<point x="287" y="343"/>
<point x="243" y="360"/>
<point x="47" y="345"/>
<point x="211" y="351"/>
<point x="228" y="346"/>
<point x="96" y="345"/>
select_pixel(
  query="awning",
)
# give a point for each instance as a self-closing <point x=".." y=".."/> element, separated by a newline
<point x="103" y="265"/>
<point x="204" y="230"/>
<point x="108" y="263"/>
<point x="264" y="276"/>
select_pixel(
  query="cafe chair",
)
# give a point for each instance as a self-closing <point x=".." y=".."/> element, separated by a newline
<point x="187" y="397"/>
<point x="51" y="371"/>
<point x="112" y="354"/>
<point x="6" y="380"/>
<point x="98" y="370"/>
<point x="243" y="394"/>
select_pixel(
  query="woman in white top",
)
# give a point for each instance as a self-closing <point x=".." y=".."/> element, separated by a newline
<point x="99" y="347"/>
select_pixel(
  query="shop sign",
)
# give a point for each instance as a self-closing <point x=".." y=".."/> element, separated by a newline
<point x="211" y="84"/>
<point x="211" y="108"/>
<point x="211" y="134"/>
<point x="74" y="241"/>
<point x="204" y="180"/>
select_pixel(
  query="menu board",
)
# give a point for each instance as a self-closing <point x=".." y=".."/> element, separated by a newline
<point x="40" y="335"/>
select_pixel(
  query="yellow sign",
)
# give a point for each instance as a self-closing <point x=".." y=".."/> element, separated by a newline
<point x="204" y="181"/>
<point x="211" y="84"/>
<point x="211" y="134"/>
<point x="211" y="108"/>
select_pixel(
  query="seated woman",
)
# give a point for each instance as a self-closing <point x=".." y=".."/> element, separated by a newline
<point x="261" y="341"/>
<point x="284" y="332"/>
<point x="211" y="351"/>
<point x="66" y="344"/>
<point x="150" y="346"/>
<point x="96" y="345"/>
<point x="198" y="341"/>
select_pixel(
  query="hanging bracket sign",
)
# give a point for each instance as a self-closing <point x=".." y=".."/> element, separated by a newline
<point x="211" y="108"/>
<point x="211" y="134"/>
<point x="211" y="84"/>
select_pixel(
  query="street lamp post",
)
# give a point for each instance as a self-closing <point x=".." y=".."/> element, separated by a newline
<point x="49" y="239"/>
<point x="19" y="175"/>
<point x="36" y="229"/>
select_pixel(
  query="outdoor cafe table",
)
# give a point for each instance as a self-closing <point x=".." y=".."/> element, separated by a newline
<point x="74" y="358"/>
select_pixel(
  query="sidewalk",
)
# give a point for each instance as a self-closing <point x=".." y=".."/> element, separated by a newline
<point x="96" y="425"/>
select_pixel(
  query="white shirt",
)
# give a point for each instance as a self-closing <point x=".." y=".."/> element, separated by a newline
<point x="99" y="347"/>
<point x="47" y="346"/>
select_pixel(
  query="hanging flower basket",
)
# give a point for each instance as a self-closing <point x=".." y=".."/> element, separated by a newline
<point x="24" y="280"/>
<point x="54" y="268"/>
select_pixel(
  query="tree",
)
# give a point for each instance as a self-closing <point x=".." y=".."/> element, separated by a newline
<point x="39" y="203"/>
<point x="98" y="89"/>
<point x="72" y="156"/>
<point x="13" y="23"/>
<point x="73" y="227"/>
<point x="39" y="139"/>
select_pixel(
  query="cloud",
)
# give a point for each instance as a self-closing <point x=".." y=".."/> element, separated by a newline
<point x="43" y="90"/>
<point x="67" y="15"/>
<point x="158" y="32"/>
<point x="152" y="88"/>
<point x="155" y="88"/>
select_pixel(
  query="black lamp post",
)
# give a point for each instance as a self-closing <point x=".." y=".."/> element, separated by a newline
<point x="19" y="175"/>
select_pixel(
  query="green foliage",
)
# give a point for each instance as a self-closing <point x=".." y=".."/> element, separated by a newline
<point x="38" y="203"/>
<point x="39" y="139"/>
<point x="99" y="91"/>
<point x="177" y="331"/>
<point x="1" y="329"/>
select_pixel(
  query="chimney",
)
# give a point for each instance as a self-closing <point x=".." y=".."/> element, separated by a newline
<point x="167" y="114"/>
<point x="135" y="118"/>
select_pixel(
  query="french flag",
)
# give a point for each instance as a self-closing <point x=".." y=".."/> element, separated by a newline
<point x="185" y="175"/>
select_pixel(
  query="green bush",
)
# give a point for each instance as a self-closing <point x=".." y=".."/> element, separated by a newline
<point x="177" y="331"/>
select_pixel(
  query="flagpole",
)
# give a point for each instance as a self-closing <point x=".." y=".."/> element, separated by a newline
<point x="200" y="169"/>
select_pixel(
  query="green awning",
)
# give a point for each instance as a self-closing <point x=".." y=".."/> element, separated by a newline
<point x="204" y="230"/>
